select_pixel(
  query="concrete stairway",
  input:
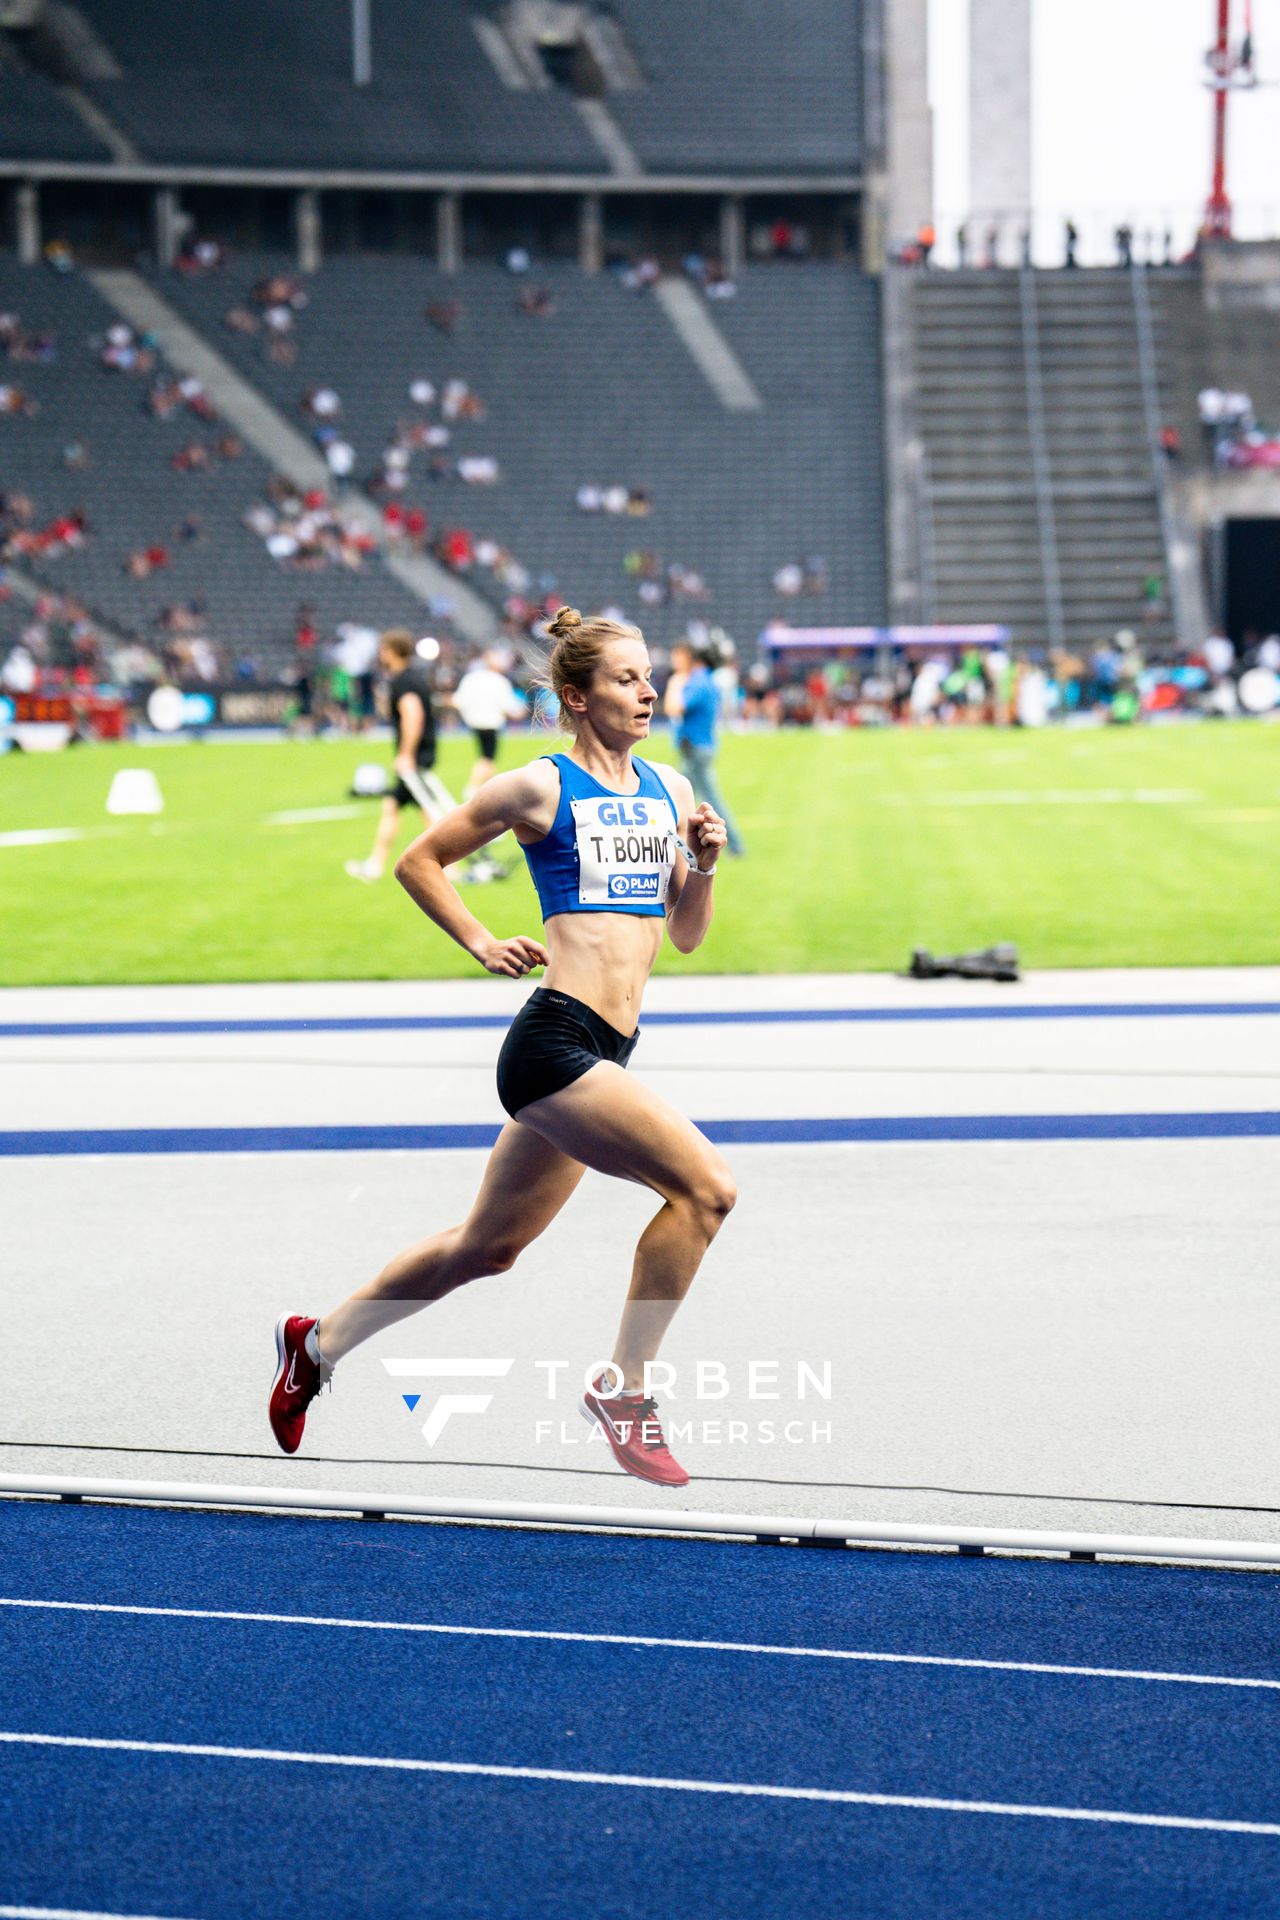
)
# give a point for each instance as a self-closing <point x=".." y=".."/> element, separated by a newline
<point x="1086" y="538"/>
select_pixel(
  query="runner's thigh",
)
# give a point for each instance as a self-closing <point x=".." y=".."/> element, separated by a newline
<point x="618" y="1125"/>
<point x="526" y="1182"/>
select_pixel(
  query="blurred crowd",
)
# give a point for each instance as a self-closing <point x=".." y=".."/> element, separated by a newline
<point x="1119" y="681"/>
<point x="1235" y="437"/>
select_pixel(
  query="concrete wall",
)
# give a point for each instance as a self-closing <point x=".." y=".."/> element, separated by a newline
<point x="1000" y="111"/>
<point x="909" y="130"/>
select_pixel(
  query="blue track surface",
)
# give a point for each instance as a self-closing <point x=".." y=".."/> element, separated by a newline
<point x="216" y="1835"/>
<point x="41" y="1142"/>
<point x="675" y="1017"/>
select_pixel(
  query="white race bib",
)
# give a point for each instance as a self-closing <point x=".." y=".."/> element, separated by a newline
<point x="626" y="850"/>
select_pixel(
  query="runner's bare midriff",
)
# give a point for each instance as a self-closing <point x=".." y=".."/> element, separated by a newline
<point x="604" y="960"/>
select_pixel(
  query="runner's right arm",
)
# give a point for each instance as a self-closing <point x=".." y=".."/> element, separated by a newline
<point x="523" y="798"/>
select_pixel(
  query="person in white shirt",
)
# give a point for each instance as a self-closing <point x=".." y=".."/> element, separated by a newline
<point x="485" y="699"/>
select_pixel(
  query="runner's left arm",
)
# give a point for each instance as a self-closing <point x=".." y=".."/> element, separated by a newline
<point x="690" y="896"/>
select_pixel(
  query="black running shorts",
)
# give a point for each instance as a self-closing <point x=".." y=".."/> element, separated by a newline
<point x="486" y="739"/>
<point x="554" y="1040"/>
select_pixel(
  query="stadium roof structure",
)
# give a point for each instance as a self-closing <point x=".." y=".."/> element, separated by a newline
<point x="653" y="95"/>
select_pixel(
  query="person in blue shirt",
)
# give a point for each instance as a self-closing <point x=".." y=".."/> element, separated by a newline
<point x="621" y="854"/>
<point x="692" y="704"/>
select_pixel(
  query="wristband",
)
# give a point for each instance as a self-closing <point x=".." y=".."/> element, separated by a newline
<point x="703" y="873"/>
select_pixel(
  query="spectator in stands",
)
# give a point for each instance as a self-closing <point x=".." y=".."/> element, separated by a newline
<point x="18" y="344"/>
<point x="962" y="244"/>
<point x="691" y="703"/>
<point x="518" y="260"/>
<point x="478" y="469"/>
<point x="926" y="240"/>
<point x="195" y="398"/>
<point x="1070" y="241"/>
<point x="589" y="499"/>
<point x="201" y="256"/>
<point x="280" y="290"/>
<point x="458" y="402"/>
<point x="456" y="549"/>
<point x="991" y="247"/>
<point x="282" y="348"/>
<point x="20" y="674"/>
<point x="422" y="392"/>
<point x="639" y="276"/>
<point x="443" y="315"/>
<point x="124" y="352"/>
<point x="1152" y="597"/>
<point x="59" y="257"/>
<point x="1220" y="655"/>
<point x="321" y="403"/>
<point x="1124" y="244"/>
<point x="16" y="401"/>
<point x="535" y="303"/>
<point x="788" y="580"/>
<point x="142" y="562"/>
<point x="686" y="583"/>
<point x="1171" y="443"/>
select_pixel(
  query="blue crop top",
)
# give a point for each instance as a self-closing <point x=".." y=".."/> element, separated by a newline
<point x="606" y="852"/>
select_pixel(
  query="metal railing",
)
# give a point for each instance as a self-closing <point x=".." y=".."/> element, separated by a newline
<point x="1042" y="473"/>
<point x="1180" y="558"/>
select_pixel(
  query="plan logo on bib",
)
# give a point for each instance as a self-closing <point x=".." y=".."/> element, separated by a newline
<point x="633" y="886"/>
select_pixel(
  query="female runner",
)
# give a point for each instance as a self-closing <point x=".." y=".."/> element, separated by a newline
<point x="599" y="827"/>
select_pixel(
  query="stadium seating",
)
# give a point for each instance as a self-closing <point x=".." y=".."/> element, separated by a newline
<point x="261" y="83"/>
<point x="603" y="392"/>
<point x="133" y="498"/>
<point x="268" y="83"/>
<point x="38" y="124"/>
<point x="730" y="91"/>
<point x="972" y="398"/>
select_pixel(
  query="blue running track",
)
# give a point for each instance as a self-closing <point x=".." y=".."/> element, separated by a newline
<point x="354" y="1759"/>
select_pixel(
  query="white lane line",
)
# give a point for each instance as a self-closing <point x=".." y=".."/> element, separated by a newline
<point x="69" y="1913"/>
<point x="39" y="837"/>
<point x="747" y="1789"/>
<point x="1050" y="797"/>
<point x="654" y="1640"/>
<point x="303" y="816"/>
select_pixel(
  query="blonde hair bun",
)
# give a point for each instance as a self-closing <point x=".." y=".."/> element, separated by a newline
<point x="564" y="621"/>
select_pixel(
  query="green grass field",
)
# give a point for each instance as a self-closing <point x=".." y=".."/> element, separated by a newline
<point x="1157" y="847"/>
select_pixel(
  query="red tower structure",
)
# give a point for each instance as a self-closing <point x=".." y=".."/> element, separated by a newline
<point x="1229" y="67"/>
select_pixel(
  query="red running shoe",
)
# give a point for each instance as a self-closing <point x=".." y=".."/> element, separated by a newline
<point x="631" y="1426"/>
<point x="298" y="1380"/>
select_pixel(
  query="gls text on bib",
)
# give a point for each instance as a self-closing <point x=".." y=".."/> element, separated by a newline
<point x="626" y="850"/>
